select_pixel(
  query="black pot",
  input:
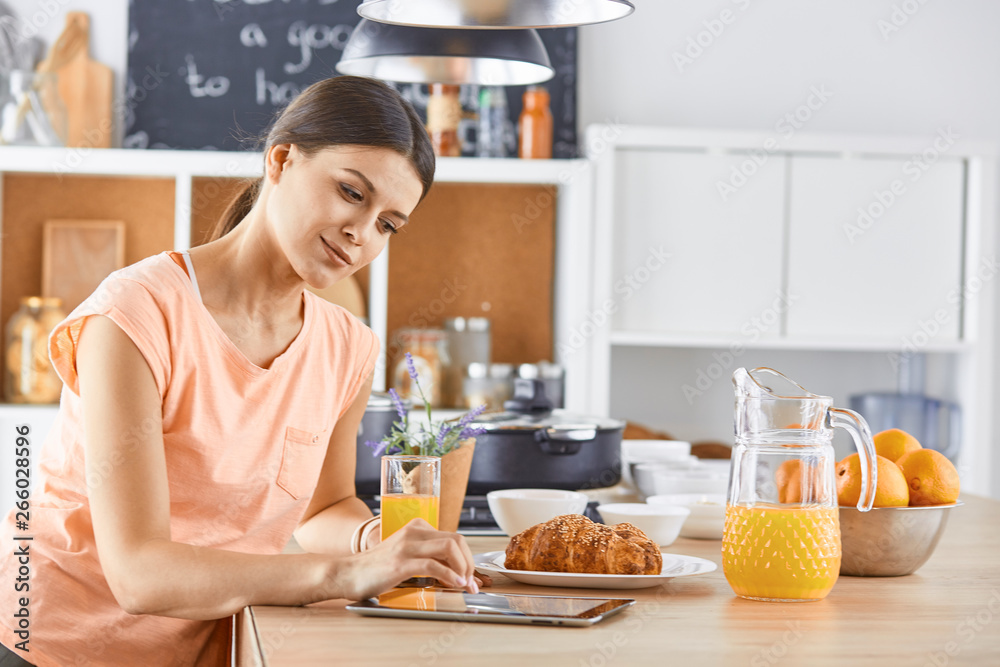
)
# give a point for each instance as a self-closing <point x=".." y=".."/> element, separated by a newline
<point x="533" y="446"/>
<point x="375" y="424"/>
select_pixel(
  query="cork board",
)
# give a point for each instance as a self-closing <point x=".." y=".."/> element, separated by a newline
<point x="145" y="205"/>
<point x="77" y="255"/>
<point x="210" y="197"/>
<point x="478" y="250"/>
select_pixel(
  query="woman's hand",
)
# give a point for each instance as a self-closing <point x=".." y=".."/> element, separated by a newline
<point x="416" y="550"/>
<point x="375" y="538"/>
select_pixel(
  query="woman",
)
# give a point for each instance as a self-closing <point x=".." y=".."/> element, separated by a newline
<point x="211" y="406"/>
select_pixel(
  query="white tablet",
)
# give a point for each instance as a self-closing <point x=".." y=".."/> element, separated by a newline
<point x="451" y="605"/>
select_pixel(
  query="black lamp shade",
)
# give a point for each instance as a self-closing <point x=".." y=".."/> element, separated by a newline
<point x="495" y="14"/>
<point x="439" y="55"/>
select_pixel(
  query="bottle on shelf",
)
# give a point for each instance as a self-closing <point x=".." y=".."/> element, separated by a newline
<point x="444" y="112"/>
<point x="491" y="132"/>
<point x="535" y="125"/>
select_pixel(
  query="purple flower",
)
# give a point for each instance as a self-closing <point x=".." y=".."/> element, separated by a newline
<point x="445" y="429"/>
<point x="471" y="431"/>
<point x="378" y="448"/>
<point x="470" y="415"/>
<point x="411" y="366"/>
<point x="398" y="402"/>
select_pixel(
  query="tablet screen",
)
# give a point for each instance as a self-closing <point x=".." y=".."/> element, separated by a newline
<point x="495" y="604"/>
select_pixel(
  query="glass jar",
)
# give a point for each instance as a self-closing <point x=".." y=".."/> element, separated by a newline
<point x="468" y="343"/>
<point x="444" y="113"/>
<point x="429" y="350"/>
<point x="30" y="376"/>
<point x="34" y="112"/>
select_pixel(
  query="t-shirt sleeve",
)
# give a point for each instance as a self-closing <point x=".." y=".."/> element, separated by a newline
<point x="366" y="356"/>
<point x="131" y="306"/>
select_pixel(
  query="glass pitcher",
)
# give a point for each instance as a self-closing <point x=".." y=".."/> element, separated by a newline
<point x="781" y="540"/>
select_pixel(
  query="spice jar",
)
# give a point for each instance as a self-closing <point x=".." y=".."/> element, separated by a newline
<point x="535" y="125"/>
<point x="30" y="377"/>
<point x="444" y="112"/>
<point x="468" y="343"/>
<point x="429" y="350"/>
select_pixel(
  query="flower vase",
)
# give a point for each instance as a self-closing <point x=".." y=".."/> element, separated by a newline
<point x="455" y="467"/>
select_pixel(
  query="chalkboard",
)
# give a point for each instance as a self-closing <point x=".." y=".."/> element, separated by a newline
<point x="211" y="74"/>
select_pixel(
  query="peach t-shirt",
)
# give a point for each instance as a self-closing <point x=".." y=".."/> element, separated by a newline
<point x="244" y="447"/>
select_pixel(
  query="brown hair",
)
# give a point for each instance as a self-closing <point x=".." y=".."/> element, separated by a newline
<point x="342" y="110"/>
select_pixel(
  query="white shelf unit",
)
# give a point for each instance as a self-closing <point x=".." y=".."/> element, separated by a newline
<point x="571" y="181"/>
<point x="640" y="370"/>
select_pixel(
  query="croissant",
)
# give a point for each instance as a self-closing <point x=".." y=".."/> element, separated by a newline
<point x="574" y="543"/>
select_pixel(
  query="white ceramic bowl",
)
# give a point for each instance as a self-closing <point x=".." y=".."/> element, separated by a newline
<point x="643" y="473"/>
<point x="519" y="509"/>
<point x="661" y="523"/>
<point x="708" y="513"/>
<point x="651" y="451"/>
<point x="697" y="480"/>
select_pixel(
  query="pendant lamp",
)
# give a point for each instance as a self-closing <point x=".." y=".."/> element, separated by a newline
<point x="495" y="14"/>
<point x="438" y="55"/>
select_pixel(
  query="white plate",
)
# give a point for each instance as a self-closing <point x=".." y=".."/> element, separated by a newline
<point x="674" y="565"/>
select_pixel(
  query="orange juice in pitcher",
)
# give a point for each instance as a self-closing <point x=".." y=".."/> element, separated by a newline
<point x="776" y="552"/>
<point x="781" y="540"/>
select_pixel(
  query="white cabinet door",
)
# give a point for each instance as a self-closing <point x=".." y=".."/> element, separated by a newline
<point x="875" y="249"/>
<point x="686" y="259"/>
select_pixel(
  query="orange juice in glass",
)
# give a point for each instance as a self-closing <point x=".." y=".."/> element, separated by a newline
<point x="411" y="489"/>
<point x="398" y="509"/>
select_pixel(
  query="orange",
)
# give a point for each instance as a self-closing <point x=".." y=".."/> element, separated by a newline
<point x="931" y="477"/>
<point x="789" y="477"/>
<point x="894" y="443"/>
<point x="890" y="488"/>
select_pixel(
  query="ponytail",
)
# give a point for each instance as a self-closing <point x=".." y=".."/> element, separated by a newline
<point x="238" y="209"/>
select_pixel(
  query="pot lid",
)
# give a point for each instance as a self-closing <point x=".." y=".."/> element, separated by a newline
<point x="514" y="421"/>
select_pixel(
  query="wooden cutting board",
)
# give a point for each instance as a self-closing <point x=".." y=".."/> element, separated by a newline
<point x="86" y="90"/>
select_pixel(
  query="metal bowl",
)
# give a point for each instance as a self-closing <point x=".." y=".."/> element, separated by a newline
<point x="890" y="541"/>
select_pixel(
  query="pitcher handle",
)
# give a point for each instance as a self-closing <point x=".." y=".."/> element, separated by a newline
<point x="855" y="424"/>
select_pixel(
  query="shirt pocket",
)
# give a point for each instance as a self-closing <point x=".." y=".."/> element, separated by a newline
<point x="301" y="460"/>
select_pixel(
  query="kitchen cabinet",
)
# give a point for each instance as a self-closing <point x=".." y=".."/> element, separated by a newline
<point x="875" y="248"/>
<point x="685" y="260"/>
<point x="771" y="262"/>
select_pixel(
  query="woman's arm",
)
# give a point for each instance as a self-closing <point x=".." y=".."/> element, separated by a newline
<point x="334" y="510"/>
<point x="129" y="497"/>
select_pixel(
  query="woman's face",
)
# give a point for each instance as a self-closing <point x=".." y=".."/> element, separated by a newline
<point x="332" y="213"/>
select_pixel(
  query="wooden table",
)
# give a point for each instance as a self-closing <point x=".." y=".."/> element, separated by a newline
<point x="948" y="613"/>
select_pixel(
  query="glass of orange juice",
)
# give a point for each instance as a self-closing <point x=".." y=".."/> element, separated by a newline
<point x="411" y="489"/>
